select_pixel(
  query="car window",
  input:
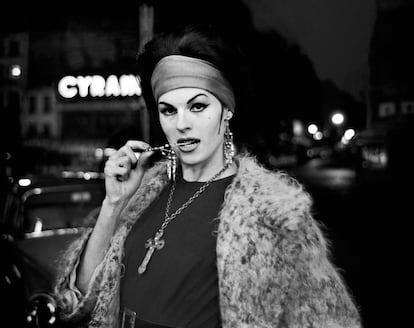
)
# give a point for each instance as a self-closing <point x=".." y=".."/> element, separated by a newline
<point x="57" y="210"/>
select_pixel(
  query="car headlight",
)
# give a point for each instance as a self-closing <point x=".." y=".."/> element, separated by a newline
<point x="41" y="311"/>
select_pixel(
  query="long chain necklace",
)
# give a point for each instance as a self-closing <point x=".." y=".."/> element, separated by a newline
<point x="157" y="243"/>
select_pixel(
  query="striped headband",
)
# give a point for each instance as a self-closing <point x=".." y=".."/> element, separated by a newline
<point x="176" y="71"/>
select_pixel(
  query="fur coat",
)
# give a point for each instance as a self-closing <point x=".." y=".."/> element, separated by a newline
<point x="272" y="259"/>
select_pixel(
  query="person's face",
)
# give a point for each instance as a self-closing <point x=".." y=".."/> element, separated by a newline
<point x="194" y="114"/>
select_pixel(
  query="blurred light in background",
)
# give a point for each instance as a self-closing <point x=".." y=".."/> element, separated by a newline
<point x="15" y="71"/>
<point x="338" y="118"/>
<point x="375" y="158"/>
<point x="24" y="182"/>
<point x="349" y="134"/>
<point x="318" y="135"/>
<point x="38" y="226"/>
<point x="297" y="128"/>
<point x="99" y="153"/>
<point x="82" y="175"/>
<point x="312" y="128"/>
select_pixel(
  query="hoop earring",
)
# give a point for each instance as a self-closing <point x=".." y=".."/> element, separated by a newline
<point x="171" y="164"/>
<point x="228" y="145"/>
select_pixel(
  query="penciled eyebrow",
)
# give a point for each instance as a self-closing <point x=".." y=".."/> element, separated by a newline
<point x="197" y="95"/>
<point x="164" y="103"/>
<point x="188" y="102"/>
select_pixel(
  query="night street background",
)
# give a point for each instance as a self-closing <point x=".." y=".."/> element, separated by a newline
<point x="307" y="60"/>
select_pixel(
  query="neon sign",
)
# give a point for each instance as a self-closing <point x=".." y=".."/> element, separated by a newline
<point x="97" y="86"/>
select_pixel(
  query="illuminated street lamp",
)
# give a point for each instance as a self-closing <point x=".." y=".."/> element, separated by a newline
<point x="337" y="118"/>
<point x="318" y="135"/>
<point x="349" y="134"/>
<point x="312" y="128"/>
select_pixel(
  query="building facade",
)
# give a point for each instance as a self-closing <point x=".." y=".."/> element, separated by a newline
<point x="388" y="139"/>
<point x="391" y="64"/>
<point x="71" y="90"/>
<point x="14" y="57"/>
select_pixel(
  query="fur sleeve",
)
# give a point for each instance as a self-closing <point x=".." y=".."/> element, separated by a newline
<point x="73" y="305"/>
<point x="101" y="297"/>
<point x="315" y="294"/>
<point x="273" y="260"/>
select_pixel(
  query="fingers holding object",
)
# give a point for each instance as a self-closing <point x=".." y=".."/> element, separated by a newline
<point x="140" y="152"/>
<point x="135" y="151"/>
<point x="117" y="168"/>
<point x="137" y="145"/>
<point x="127" y="151"/>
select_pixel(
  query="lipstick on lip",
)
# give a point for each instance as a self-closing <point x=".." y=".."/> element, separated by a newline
<point x="187" y="141"/>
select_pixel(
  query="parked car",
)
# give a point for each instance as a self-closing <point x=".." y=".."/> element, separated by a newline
<point x="385" y="151"/>
<point x="42" y="215"/>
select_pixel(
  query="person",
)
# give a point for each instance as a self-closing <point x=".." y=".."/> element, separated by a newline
<point x="207" y="237"/>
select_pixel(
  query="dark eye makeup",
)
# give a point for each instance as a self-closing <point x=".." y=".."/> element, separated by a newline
<point x="198" y="106"/>
<point x="166" y="109"/>
<point x="194" y="104"/>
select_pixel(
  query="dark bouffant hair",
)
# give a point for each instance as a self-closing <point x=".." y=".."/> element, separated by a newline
<point x="198" y="41"/>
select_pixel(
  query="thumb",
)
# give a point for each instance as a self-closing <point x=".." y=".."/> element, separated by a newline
<point x="143" y="159"/>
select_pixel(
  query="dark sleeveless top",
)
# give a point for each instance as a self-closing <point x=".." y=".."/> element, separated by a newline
<point x="180" y="286"/>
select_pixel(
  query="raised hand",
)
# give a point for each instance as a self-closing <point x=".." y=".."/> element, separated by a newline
<point x="124" y="170"/>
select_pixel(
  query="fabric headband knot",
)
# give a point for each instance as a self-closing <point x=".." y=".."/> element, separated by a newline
<point x="176" y="71"/>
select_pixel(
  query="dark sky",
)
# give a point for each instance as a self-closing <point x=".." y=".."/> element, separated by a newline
<point x="335" y="34"/>
<point x="41" y="15"/>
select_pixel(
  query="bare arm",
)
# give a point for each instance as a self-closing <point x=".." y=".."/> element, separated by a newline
<point x="98" y="244"/>
<point x="121" y="181"/>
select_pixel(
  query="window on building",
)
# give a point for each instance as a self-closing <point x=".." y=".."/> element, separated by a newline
<point x="407" y="107"/>
<point x="386" y="109"/>
<point x="46" y="130"/>
<point x="47" y="104"/>
<point x="2" y="49"/>
<point x="32" y="104"/>
<point x="14" y="48"/>
<point x="31" y="131"/>
<point x="13" y="99"/>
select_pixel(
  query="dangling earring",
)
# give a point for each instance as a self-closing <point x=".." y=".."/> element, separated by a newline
<point x="171" y="165"/>
<point x="228" y="144"/>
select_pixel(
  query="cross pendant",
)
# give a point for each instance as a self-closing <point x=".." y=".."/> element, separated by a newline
<point x="152" y="245"/>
